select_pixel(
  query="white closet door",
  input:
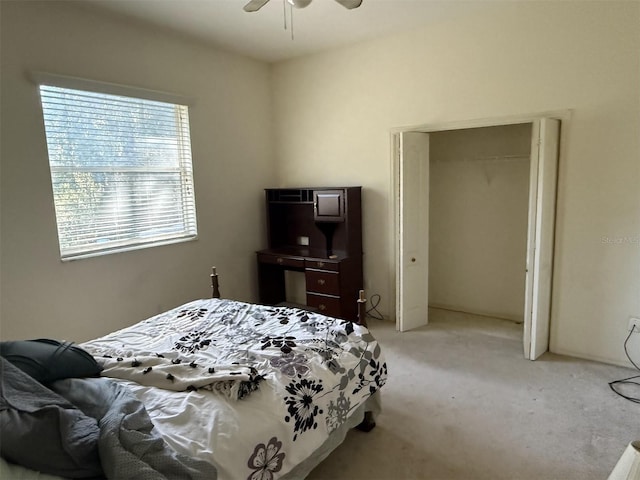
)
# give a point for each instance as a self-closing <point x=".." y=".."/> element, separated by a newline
<point x="542" y="208"/>
<point x="412" y="263"/>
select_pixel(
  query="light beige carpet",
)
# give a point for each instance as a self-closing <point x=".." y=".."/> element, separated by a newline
<point x="463" y="403"/>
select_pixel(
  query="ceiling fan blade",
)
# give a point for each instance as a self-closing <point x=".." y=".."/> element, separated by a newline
<point x="350" y="3"/>
<point x="255" y="5"/>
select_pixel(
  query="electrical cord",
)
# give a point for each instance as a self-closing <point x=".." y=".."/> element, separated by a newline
<point x="375" y="301"/>
<point x="628" y="380"/>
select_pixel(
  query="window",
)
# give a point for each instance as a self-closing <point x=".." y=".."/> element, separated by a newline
<point x="121" y="171"/>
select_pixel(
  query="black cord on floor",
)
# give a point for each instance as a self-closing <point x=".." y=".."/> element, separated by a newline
<point x="375" y="301"/>
<point x="628" y="380"/>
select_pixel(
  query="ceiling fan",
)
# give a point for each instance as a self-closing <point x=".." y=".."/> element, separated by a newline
<point x="255" y="5"/>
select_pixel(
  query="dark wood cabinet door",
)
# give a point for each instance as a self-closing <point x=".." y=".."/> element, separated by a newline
<point x="328" y="205"/>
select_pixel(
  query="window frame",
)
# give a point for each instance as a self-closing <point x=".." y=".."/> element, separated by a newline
<point x="184" y="167"/>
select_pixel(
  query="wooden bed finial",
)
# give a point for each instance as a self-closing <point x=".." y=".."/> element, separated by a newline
<point x="215" y="290"/>
<point x="362" y="309"/>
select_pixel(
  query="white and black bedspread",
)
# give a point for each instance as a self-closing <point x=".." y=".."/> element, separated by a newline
<point x="277" y="380"/>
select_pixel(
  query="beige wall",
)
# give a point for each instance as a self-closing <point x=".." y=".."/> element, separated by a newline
<point x="478" y="208"/>
<point x="334" y="111"/>
<point x="232" y="157"/>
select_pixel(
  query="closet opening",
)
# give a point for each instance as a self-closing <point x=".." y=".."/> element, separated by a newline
<point x="478" y="211"/>
<point x="474" y="212"/>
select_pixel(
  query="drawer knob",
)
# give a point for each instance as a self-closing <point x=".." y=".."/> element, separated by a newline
<point x="280" y="260"/>
<point x="321" y="264"/>
<point x="320" y="281"/>
<point x="322" y="307"/>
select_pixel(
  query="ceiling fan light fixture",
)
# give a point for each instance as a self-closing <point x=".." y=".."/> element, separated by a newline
<point x="299" y="3"/>
<point x="255" y="5"/>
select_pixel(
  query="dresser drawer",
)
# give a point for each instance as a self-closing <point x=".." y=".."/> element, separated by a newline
<point x="319" y="281"/>
<point x="321" y="265"/>
<point x="284" y="260"/>
<point x="326" y="305"/>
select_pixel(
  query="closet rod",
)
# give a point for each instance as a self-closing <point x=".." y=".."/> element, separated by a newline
<point x="497" y="158"/>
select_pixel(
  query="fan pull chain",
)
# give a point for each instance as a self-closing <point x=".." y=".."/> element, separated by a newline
<point x="284" y="15"/>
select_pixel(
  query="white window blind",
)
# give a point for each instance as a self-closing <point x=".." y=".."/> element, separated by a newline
<point x="121" y="171"/>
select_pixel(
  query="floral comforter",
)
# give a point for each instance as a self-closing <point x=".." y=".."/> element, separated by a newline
<point x="301" y="377"/>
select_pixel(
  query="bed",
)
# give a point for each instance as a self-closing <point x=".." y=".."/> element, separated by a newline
<point x="258" y="392"/>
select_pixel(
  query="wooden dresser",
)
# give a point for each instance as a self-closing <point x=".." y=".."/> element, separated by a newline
<point x="317" y="231"/>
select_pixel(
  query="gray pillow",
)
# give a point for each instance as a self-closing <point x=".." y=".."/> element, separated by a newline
<point x="44" y="432"/>
<point x="48" y="360"/>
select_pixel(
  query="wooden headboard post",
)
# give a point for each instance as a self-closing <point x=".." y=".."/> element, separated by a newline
<point x="362" y="309"/>
<point x="215" y="290"/>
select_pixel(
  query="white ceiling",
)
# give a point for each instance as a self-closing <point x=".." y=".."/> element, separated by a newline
<point x="261" y="35"/>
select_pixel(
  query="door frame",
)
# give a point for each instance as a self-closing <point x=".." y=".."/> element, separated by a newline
<point x="563" y="116"/>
